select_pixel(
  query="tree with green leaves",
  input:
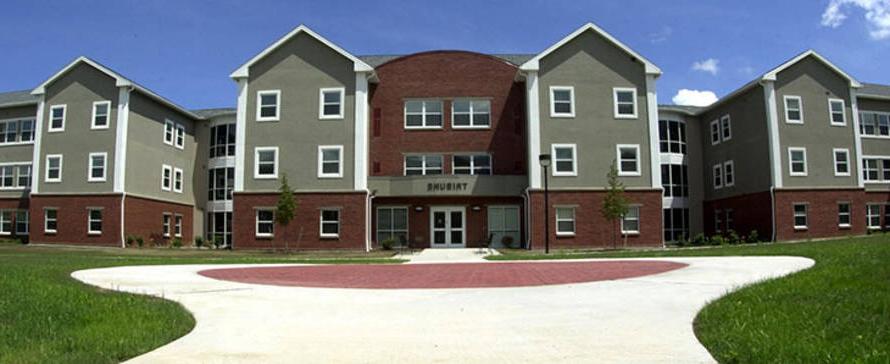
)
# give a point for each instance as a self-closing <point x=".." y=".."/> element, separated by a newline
<point x="614" y="204"/>
<point x="284" y="210"/>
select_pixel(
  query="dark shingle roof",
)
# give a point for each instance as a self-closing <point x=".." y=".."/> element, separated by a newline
<point x="212" y="113"/>
<point x="17" y="98"/>
<point x="873" y="89"/>
<point x="377" y="60"/>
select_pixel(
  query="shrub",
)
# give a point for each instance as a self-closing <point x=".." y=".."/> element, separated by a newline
<point x="752" y="237"/>
<point x="699" y="240"/>
<point x="733" y="238"/>
<point x="388" y="244"/>
<point x="130" y="240"/>
<point x="176" y="243"/>
<point x="507" y="241"/>
<point x="139" y="241"/>
<point x="718" y="240"/>
<point x="199" y="242"/>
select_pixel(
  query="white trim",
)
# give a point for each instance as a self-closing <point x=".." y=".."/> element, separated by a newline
<point x="256" y="219"/>
<point x="771" y="75"/>
<point x="165" y="168"/>
<point x="177" y="225"/>
<point x="90" y="167"/>
<point x="857" y="139"/>
<point x="624" y="217"/>
<point x="635" y="173"/>
<point x="772" y="127"/>
<point x="806" y="215"/>
<point x="172" y="125"/>
<point x="38" y="143"/>
<point x="361" y="143"/>
<point x="556" y="220"/>
<point x="61" y="160"/>
<point x="533" y="121"/>
<point x="167" y="224"/>
<point x="574" y="171"/>
<point x="849" y="214"/>
<point x="56" y="219"/>
<point x="791" y="171"/>
<point x="731" y="166"/>
<point x="256" y="162"/>
<point x="321" y="149"/>
<point x="178" y="176"/>
<point x="90" y="230"/>
<point x="553" y="113"/>
<point x="843" y="112"/>
<point x="717" y="170"/>
<point x="259" y="105"/>
<point x="725" y="124"/>
<point x="472" y="166"/>
<point x="321" y="104"/>
<point x="179" y="131"/>
<point x="321" y="233"/>
<point x="615" y="91"/>
<point x="93" y="125"/>
<point x="471" y="113"/>
<point x="240" y="138"/>
<point x="846" y="152"/>
<point x="49" y="124"/>
<point x="788" y="119"/>
<point x="654" y="142"/>
<point x="121" y="139"/>
<point x="715" y="124"/>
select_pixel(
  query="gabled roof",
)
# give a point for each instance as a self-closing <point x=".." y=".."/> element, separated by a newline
<point x="17" y="98"/>
<point x="120" y="81"/>
<point x="360" y="66"/>
<point x="771" y="75"/>
<point x="533" y="64"/>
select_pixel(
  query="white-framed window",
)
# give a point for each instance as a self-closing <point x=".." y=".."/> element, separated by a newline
<point x="836" y="112"/>
<point x="797" y="161"/>
<point x="7" y="177"/>
<point x="873" y="216"/>
<point x="625" y="102"/>
<point x="21" y="222"/>
<point x="50" y="220"/>
<point x="268" y="105"/>
<point x="420" y="165"/>
<point x="6" y="222"/>
<point x="630" y="222"/>
<point x="23" y="176"/>
<point x="26" y="131"/>
<point x="265" y="163"/>
<point x="94" y="221"/>
<point x="330" y="102"/>
<point x="53" y="168"/>
<point x="729" y="219"/>
<point x="870" y="169"/>
<point x="725" y="128"/>
<point x="423" y="114"/>
<point x="718" y="176"/>
<point x="672" y="136"/>
<point x="470" y="114"/>
<point x="265" y="222"/>
<point x="471" y="164"/>
<point x="180" y="136"/>
<point x="329" y="223"/>
<point x="565" y="160"/>
<point x="98" y="163"/>
<point x="166" y="177"/>
<point x="800" y="216"/>
<point x="565" y="221"/>
<point x="392" y="223"/>
<point x="177" y="226"/>
<point x="793" y="109"/>
<point x="101" y="115"/>
<point x="885" y="166"/>
<point x="15" y="176"/>
<point x="562" y="101"/>
<point x="166" y="224"/>
<point x="57" y="118"/>
<point x="177" y="180"/>
<point x="718" y="221"/>
<point x="169" y="132"/>
<point x="728" y="174"/>
<point x="715" y="132"/>
<point x="330" y="161"/>
<point x="874" y="124"/>
<point x="843" y="214"/>
<point x="17" y="131"/>
<point x="841" y="161"/>
<point x="628" y="159"/>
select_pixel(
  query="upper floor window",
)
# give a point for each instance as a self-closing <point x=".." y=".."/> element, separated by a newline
<point x="221" y="182"/>
<point x="15" y="176"/>
<point x="268" y="105"/>
<point x="470" y="114"/>
<point x="562" y="101"/>
<point x="180" y="136"/>
<point x="169" y="131"/>
<point x="53" y="168"/>
<point x="793" y="110"/>
<point x="222" y="141"/>
<point x="715" y="132"/>
<point x="330" y="105"/>
<point x="166" y="177"/>
<point x="797" y="161"/>
<point x="718" y="176"/>
<point x="421" y="114"/>
<point x="101" y="114"/>
<point x="564" y="160"/>
<point x="16" y="131"/>
<point x="625" y="103"/>
<point x="728" y="174"/>
<point x="417" y="165"/>
<point x="471" y="164"/>
<point x="330" y="161"/>
<point x="177" y="180"/>
<point x="628" y="159"/>
<point x="672" y="136"/>
<point x="725" y="128"/>
<point x="836" y="111"/>
<point x="874" y="123"/>
<point x="674" y="180"/>
<point x="97" y="166"/>
<point x="870" y="169"/>
<point x="841" y="162"/>
<point x="265" y="163"/>
<point x="57" y="118"/>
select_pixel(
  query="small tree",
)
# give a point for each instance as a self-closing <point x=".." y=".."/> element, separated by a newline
<point x="284" y="210"/>
<point x="614" y="204"/>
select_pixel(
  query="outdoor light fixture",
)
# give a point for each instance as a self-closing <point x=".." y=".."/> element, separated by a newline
<point x="544" y="159"/>
<point x="418" y="208"/>
<point x="477" y="208"/>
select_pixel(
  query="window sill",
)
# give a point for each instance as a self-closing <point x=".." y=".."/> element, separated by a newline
<point x="92" y="233"/>
<point x="106" y="127"/>
<point x="264" y="177"/>
<point x="629" y="174"/>
<point x="423" y="128"/>
<point x="800" y="228"/>
<point x="10" y="144"/>
<point x="839" y="125"/>
<point x="565" y="235"/>
<point x="331" y="117"/>
<point x="265" y="237"/>
<point x="332" y="176"/>
<point x="470" y="127"/>
<point x="266" y="120"/>
<point x="562" y="116"/>
<point x="329" y="237"/>
<point x="49" y="232"/>
<point x="627" y="117"/>
<point x="55" y="131"/>
<point x="844" y="226"/>
<point x="631" y="233"/>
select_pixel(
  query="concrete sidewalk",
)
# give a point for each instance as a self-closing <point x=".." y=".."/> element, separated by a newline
<point x="452" y="255"/>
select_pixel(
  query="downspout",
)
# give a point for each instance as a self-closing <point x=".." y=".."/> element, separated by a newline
<point x="526" y="200"/>
<point x="772" y="198"/>
<point x="368" y="219"/>
<point x="120" y="155"/>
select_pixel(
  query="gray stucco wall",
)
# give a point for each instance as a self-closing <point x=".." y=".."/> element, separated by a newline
<point x="17" y="152"/>
<point x="299" y="68"/>
<point x="593" y="66"/>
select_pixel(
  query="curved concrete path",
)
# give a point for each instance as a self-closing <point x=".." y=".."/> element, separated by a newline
<point x="637" y="320"/>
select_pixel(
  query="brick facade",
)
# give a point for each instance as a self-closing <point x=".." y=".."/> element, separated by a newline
<point x="15" y="204"/>
<point x="822" y="213"/>
<point x="749" y="212"/>
<point x="72" y="219"/>
<point x="145" y="218"/>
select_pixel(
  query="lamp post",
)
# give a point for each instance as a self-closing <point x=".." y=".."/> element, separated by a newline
<point x="544" y="159"/>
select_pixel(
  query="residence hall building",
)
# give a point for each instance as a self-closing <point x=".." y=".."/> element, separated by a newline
<point x="441" y="149"/>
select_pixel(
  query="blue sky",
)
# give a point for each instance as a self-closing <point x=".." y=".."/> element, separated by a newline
<point x="185" y="50"/>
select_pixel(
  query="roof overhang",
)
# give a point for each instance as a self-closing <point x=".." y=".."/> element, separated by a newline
<point x="771" y="75"/>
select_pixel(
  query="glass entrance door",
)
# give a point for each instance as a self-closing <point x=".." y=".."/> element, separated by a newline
<point x="447" y="227"/>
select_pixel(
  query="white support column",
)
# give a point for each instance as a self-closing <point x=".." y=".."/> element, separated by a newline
<point x="361" y="132"/>
<point x="652" y="108"/>
<point x="38" y="137"/>
<point x="857" y="142"/>
<point x="772" y="127"/>
<point x="534" y="129"/>
<point x="240" y="137"/>
<point x="120" y="145"/>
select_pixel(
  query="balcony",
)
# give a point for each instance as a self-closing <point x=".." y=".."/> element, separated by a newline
<point x="449" y="185"/>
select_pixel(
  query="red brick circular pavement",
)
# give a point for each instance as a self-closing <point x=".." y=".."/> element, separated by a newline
<point x="456" y="275"/>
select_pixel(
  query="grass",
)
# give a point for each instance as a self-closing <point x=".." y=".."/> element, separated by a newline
<point x="836" y="312"/>
<point x="48" y="317"/>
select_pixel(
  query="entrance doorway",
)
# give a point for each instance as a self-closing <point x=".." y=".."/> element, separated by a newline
<point x="448" y="227"/>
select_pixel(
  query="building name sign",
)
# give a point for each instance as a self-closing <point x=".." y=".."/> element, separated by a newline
<point x="446" y="186"/>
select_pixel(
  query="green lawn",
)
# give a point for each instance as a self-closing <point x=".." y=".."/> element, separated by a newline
<point x="836" y="312"/>
<point x="48" y="317"/>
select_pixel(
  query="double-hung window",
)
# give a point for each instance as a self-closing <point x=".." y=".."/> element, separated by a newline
<point x="53" y="168"/>
<point x="101" y="114"/>
<point x="169" y="131"/>
<point x="330" y="103"/>
<point x="565" y="221"/>
<point x="7" y="177"/>
<point x="423" y="114"/>
<point x="715" y="132"/>
<point x="97" y="166"/>
<point x="94" y="221"/>
<point x="718" y="176"/>
<point x="17" y="131"/>
<point x="841" y="162"/>
<point x="265" y="163"/>
<point x="166" y="225"/>
<point x="885" y="165"/>
<point x="27" y="131"/>
<point x="177" y="226"/>
<point x="728" y="174"/>
<point x="565" y="161"/>
<point x="9" y="131"/>
<point x="630" y="222"/>
<point x="725" y="128"/>
<point x="873" y="216"/>
<point x="470" y="114"/>
<point x="329" y="223"/>
<point x="797" y="161"/>
<point x="23" y="176"/>
<point x="471" y="164"/>
<point x="625" y="102"/>
<point x="21" y="222"/>
<point x="268" y="106"/>
<point x="875" y="124"/>
<point x="57" y="118"/>
<point x="800" y="216"/>
<point x="6" y="222"/>
<point x="177" y="180"/>
<point x="562" y="101"/>
<point x="870" y="169"/>
<point x="836" y="111"/>
<point x="793" y="109"/>
<point x="50" y="220"/>
<point x="180" y="136"/>
<point x="628" y="159"/>
<point x="330" y="161"/>
<point x="843" y="214"/>
<point x="265" y="222"/>
<point x="418" y="165"/>
<point x="166" y="177"/>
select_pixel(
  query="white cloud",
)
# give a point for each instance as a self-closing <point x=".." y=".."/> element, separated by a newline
<point x="688" y="97"/>
<point x="877" y="14"/>
<point x="661" y="35"/>
<point x="709" y="65"/>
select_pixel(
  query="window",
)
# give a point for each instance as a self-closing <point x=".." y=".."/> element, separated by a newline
<point x="725" y="128"/>
<point x="873" y="216"/>
<point x="471" y="164"/>
<point x="94" y="221"/>
<point x="169" y="132"/>
<point x="564" y="162"/>
<point x="870" y="170"/>
<point x="392" y="224"/>
<point x="330" y="223"/>
<point x="672" y="136"/>
<point x="101" y="114"/>
<point x="674" y="180"/>
<point x="729" y="219"/>
<point x="562" y="101"/>
<point x="874" y="124"/>
<point x="718" y="221"/>
<point x="630" y="222"/>
<point x="265" y="222"/>
<point x="841" y="162"/>
<point x="15" y="176"/>
<point x="7" y="177"/>
<point x="221" y="182"/>
<point x="5" y="222"/>
<point x="166" y="177"/>
<point x="53" y="168"/>
<point x="715" y="132"/>
<point x="57" y="118"/>
<point x="177" y="226"/>
<point x="718" y="176"/>
<point x="418" y="165"/>
<point x="10" y="132"/>
<point x="420" y="114"/>
<point x="180" y="136"/>
<point x="843" y="214"/>
<point x="887" y="216"/>
<point x="16" y="131"/>
<point x="222" y="141"/>
<point x="330" y="161"/>
<point x="628" y="159"/>
<point x="797" y="161"/>
<point x="836" y="111"/>
<point x="268" y="107"/>
<point x="23" y="176"/>
<point x="676" y="224"/>
<point x="625" y="100"/>
<point x="565" y="221"/>
<point x="470" y="114"/>
<point x="793" y="110"/>
<point x="97" y="166"/>
<point x="885" y="166"/>
<point x="265" y="163"/>
<point x="330" y="103"/>
<point x="503" y="224"/>
<point x="728" y="174"/>
<point x="21" y="222"/>
<point x="800" y="216"/>
<point x="166" y="226"/>
<point x="177" y="180"/>
<point x="27" y="131"/>
<point x="50" y="220"/>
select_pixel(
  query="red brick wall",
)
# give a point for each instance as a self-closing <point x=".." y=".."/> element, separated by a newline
<point x="14" y="204"/>
<point x="144" y="218"/>
<point x="419" y="221"/>
<point x="447" y="75"/>
<point x="72" y="219"/>
<point x="822" y="217"/>
<point x="750" y="212"/>
<point x="592" y="230"/>
<point x="303" y="231"/>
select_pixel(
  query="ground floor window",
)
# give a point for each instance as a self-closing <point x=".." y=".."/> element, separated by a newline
<point x="565" y="221"/>
<point x="94" y="221"/>
<point x="177" y="226"/>
<point x="630" y="222"/>
<point x="843" y="214"/>
<point x="503" y="225"/>
<point x="330" y="223"/>
<point x="718" y="221"/>
<point x="392" y="224"/>
<point x="729" y="219"/>
<point x="676" y="224"/>
<point x="6" y="222"/>
<point x="50" y="220"/>
<point x="265" y="222"/>
<point x="873" y="216"/>
<point x="21" y="222"/>
<point x="887" y="216"/>
<point x="800" y="216"/>
<point x="166" y="225"/>
<point x="219" y="228"/>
